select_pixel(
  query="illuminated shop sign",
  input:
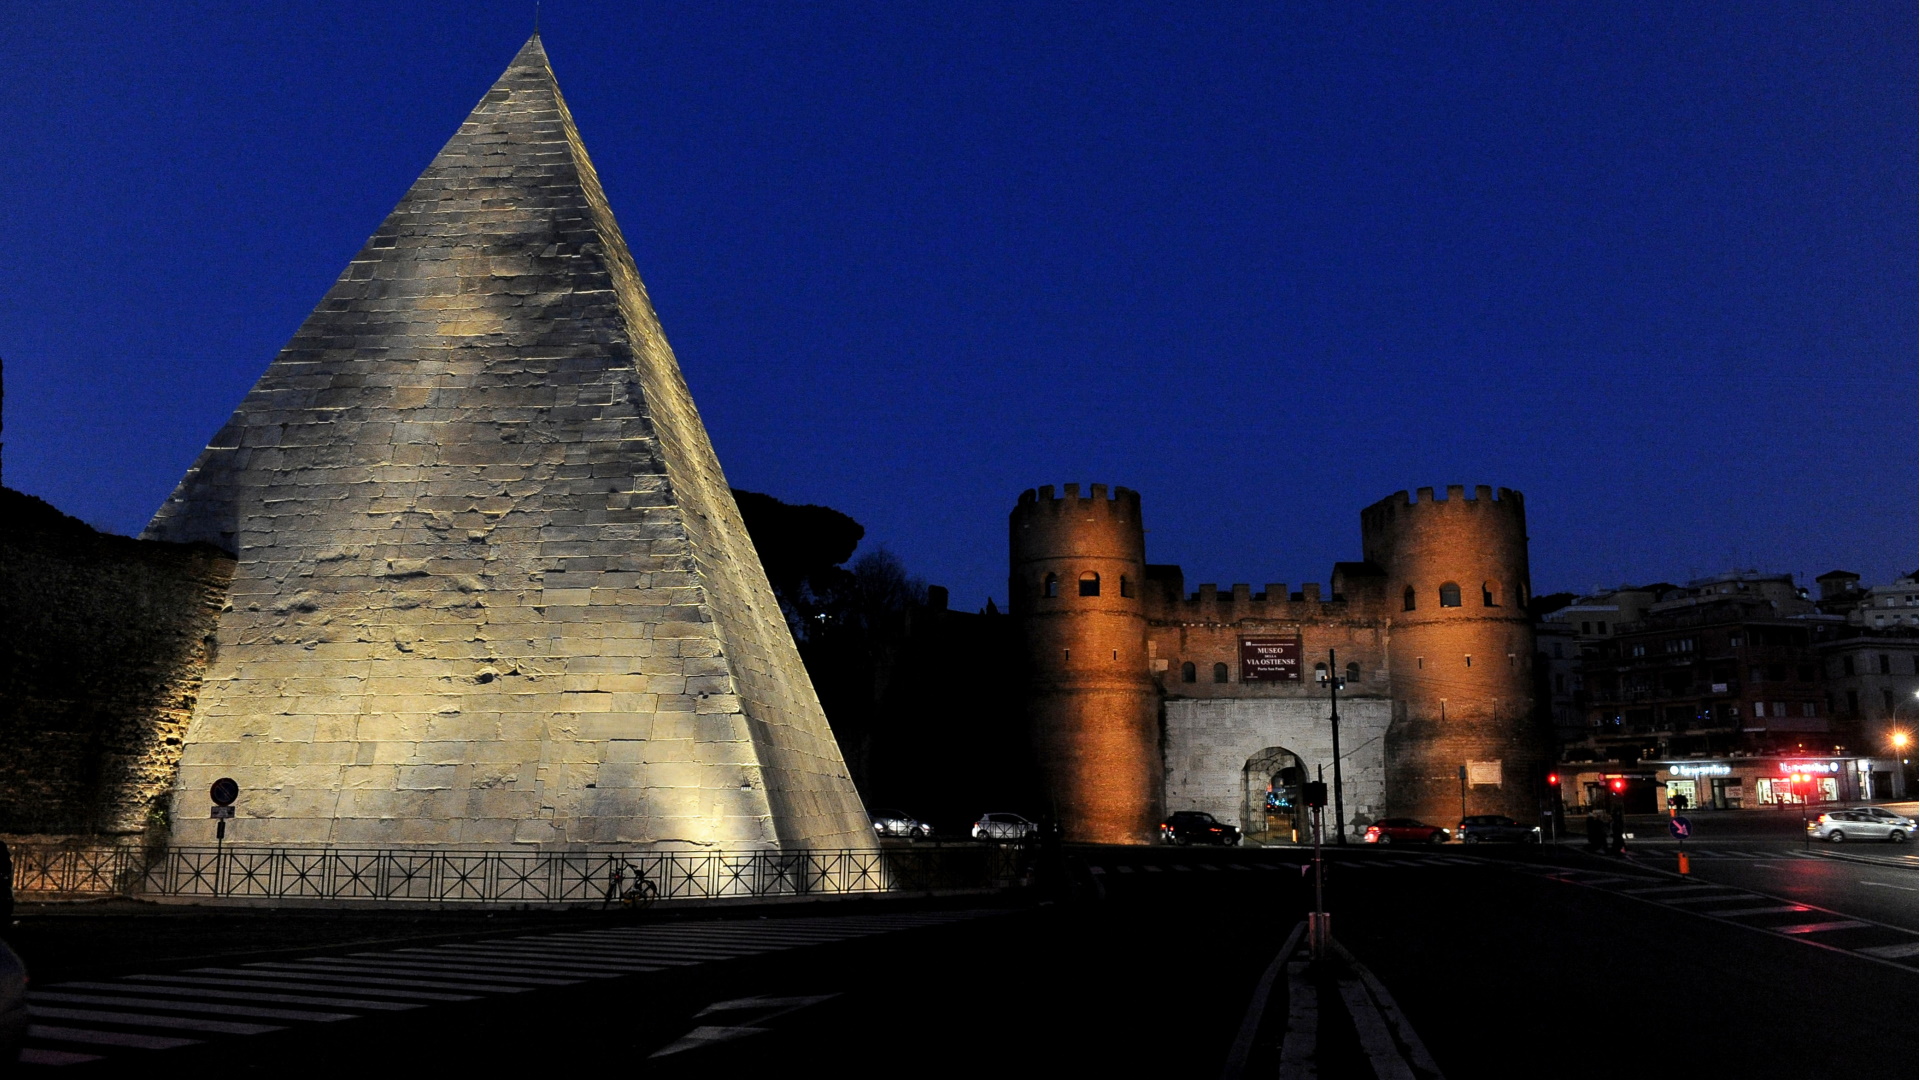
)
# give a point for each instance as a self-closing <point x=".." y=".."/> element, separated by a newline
<point x="1701" y="770"/>
<point x="1809" y="766"/>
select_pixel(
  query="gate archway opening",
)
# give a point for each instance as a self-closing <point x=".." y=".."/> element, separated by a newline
<point x="1272" y="811"/>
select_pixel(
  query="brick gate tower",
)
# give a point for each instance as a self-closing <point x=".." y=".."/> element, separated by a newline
<point x="1077" y="575"/>
<point x="1460" y="652"/>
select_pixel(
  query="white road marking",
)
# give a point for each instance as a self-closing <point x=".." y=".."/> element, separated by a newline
<point x="1375" y="1040"/>
<point x="106" y="1038"/>
<point x="1884" y="885"/>
<point x="34" y="1055"/>
<point x="152" y="1020"/>
<point x="1892" y="951"/>
<point x="1773" y="910"/>
<point x="1819" y="927"/>
<point x="162" y="1003"/>
<point x="239" y="995"/>
<point x="449" y="969"/>
<point x="303" y="972"/>
<point x="268" y="981"/>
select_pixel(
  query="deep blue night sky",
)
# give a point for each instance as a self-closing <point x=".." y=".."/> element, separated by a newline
<point x="1653" y="265"/>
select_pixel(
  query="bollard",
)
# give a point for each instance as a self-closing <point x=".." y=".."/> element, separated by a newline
<point x="1685" y="868"/>
<point x="1319" y="930"/>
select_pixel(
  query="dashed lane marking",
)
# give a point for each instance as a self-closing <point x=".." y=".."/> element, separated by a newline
<point x="1819" y="927"/>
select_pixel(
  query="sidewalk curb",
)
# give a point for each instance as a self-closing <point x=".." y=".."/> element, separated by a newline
<point x="1848" y="856"/>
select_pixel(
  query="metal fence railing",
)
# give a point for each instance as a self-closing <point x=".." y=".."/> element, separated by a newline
<point x="500" y="877"/>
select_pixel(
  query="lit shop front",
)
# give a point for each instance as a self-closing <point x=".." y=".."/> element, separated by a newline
<point x="1734" y="783"/>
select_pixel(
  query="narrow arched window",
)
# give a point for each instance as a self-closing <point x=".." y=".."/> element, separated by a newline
<point x="1450" y="595"/>
<point x="1052" y="587"/>
<point x="1353" y="673"/>
<point x="1186" y="672"/>
<point x="1406" y="599"/>
<point x="1219" y="673"/>
<point x="1319" y="673"/>
<point x="1089" y="584"/>
<point x="1126" y="585"/>
<point x="1489" y="594"/>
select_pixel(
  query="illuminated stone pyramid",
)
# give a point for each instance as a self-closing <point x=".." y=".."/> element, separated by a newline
<point x="493" y="588"/>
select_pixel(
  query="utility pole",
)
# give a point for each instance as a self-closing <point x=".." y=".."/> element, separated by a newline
<point x="1339" y="798"/>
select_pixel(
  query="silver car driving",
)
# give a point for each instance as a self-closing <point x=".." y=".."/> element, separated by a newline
<point x="1866" y="823"/>
<point x="998" y="826"/>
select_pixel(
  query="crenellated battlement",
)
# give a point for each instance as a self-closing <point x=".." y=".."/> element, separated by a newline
<point x="1124" y="501"/>
<point x="1484" y="500"/>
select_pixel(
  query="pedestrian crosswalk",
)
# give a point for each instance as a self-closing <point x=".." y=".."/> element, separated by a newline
<point x="1807" y="923"/>
<point x="85" y="1020"/>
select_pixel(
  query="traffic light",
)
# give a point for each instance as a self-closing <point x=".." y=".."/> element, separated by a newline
<point x="1314" y="793"/>
<point x="1619" y="784"/>
<point x="1553" y="779"/>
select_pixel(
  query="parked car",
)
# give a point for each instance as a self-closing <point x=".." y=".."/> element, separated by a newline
<point x="993" y="827"/>
<point x="1870" y="823"/>
<point x="1195" y="827"/>
<point x="13" y="1006"/>
<point x="1405" y="830"/>
<point x="899" y="823"/>
<point x="1496" y="828"/>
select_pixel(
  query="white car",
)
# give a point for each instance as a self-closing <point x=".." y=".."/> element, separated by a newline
<point x="993" y="827"/>
<point x="1865" y="823"/>
<point x="899" y="823"/>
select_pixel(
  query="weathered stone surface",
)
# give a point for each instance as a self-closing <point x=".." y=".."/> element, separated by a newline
<point x="103" y="642"/>
<point x="492" y="585"/>
<point x="1211" y="743"/>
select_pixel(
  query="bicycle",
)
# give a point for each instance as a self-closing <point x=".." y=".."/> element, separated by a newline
<point x="637" y="897"/>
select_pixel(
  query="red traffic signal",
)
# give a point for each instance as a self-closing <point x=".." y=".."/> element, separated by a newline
<point x="1553" y="779"/>
<point x="1619" y="784"/>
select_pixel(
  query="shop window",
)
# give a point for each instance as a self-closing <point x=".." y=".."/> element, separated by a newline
<point x="1186" y="672"/>
<point x="1219" y="673"/>
<point x="1489" y="594"/>
<point x="1089" y="584"/>
<point x="1406" y="599"/>
<point x="1126" y="585"/>
<point x="1450" y="595"/>
<point x="1052" y="586"/>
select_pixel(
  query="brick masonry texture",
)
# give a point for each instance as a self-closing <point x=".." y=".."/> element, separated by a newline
<point x="103" y="643"/>
<point x="1121" y="734"/>
<point x="492" y="586"/>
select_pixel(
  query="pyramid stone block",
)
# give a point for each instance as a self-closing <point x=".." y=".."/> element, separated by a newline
<point x="492" y="586"/>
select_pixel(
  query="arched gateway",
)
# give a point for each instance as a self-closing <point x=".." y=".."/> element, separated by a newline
<point x="1271" y="797"/>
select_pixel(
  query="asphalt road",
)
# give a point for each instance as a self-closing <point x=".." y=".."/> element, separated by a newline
<point x="1504" y="960"/>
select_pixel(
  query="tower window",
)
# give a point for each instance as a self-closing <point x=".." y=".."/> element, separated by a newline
<point x="1489" y="594"/>
<point x="1353" y="673"/>
<point x="1406" y="599"/>
<point x="1219" y="673"/>
<point x="1450" y="595"/>
<point x="1052" y="586"/>
<point x="1126" y="585"/>
<point x="1089" y="584"/>
<point x="1187" y="673"/>
<point x="1420" y="663"/>
<point x="1469" y="660"/>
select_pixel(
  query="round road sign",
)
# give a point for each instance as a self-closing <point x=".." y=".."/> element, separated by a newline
<point x="224" y="791"/>
<point x="1680" y="827"/>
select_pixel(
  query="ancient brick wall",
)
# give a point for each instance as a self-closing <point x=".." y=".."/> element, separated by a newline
<point x="1091" y="702"/>
<point x="1461" y="656"/>
<point x="103" y="641"/>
